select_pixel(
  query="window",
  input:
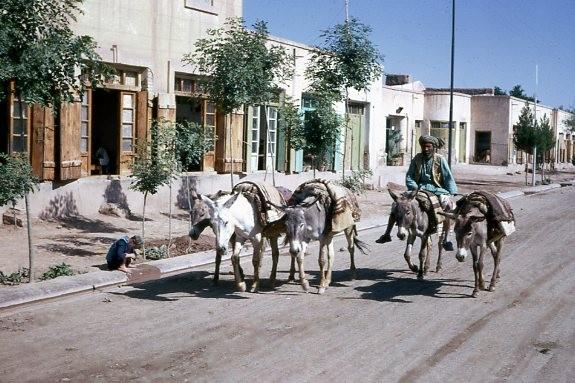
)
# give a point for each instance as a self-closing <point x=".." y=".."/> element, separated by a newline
<point x="125" y="77"/>
<point x="85" y="123"/>
<point x="210" y="121"/>
<point x="308" y="102"/>
<point x="19" y="126"/>
<point x="189" y="85"/>
<point x="418" y="124"/>
<point x="206" y="6"/>
<point x="272" y="128"/>
<point x="356" y="109"/>
<point x="256" y="130"/>
<point x="128" y="122"/>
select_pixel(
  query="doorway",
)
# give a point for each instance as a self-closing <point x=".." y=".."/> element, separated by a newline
<point x="483" y="147"/>
<point x="106" y="127"/>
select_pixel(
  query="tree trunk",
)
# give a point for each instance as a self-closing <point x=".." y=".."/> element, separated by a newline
<point x="345" y="136"/>
<point x="144" y="228"/>
<point x="313" y="165"/>
<point x="189" y="202"/>
<point x="526" y="169"/>
<point x="31" y="255"/>
<point x="170" y="221"/>
<point x="229" y="118"/>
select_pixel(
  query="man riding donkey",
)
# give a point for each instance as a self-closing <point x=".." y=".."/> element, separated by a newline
<point x="428" y="171"/>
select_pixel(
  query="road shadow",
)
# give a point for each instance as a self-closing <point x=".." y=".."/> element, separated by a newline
<point x="197" y="284"/>
<point x="398" y="285"/>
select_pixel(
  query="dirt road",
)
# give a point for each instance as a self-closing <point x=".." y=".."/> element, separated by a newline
<point x="383" y="327"/>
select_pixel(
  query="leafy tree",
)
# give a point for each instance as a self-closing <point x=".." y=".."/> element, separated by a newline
<point x="153" y="167"/>
<point x="16" y="181"/>
<point x="346" y="59"/>
<point x="524" y="135"/>
<point x="42" y="59"/>
<point x="517" y="91"/>
<point x="41" y="54"/>
<point x="192" y="142"/>
<point x="322" y="130"/>
<point x="545" y="138"/>
<point x="290" y="122"/>
<point x="499" y="92"/>
<point x="570" y="122"/>
<point x="240" y="68"/>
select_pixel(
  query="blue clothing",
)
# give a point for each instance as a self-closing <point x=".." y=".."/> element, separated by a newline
<point x="117" y="253"/>
<point x="426" y="181"/>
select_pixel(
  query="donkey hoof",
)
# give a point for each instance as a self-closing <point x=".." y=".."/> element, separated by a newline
<point x="241" y="287"/>
<point x="320" y="290"/>
<point x="420" y="276"/>
<point x="491" y="288"/>
<point x="474" y="294"/>
<point x="254" y="288"/>
<point x="414" y="268"/>
<point x="305" y="285"/>
<point x="448" y="246"/>
<point x="438" y="269"/>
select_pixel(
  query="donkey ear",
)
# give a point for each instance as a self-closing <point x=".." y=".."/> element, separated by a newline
<point x="393" y="194"/>
<point x="207" y="201"/>
<point x="231" y="201"/>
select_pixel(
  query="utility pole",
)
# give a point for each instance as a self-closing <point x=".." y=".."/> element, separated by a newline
<point x="450" y="140"/>
<point x="535" y="123"/>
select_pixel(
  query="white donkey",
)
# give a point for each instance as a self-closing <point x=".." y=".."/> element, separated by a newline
<point x="234" y="213"/>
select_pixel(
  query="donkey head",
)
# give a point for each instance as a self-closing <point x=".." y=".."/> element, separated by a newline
<point x="303" y="222"/>
<point x="470" y="230"/>
<point x="222" y="219"/>
<point x="404" y="209"/>
<point x="199" y="215"/>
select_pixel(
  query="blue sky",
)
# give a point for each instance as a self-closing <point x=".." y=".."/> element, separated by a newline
<point x="497" y="42"/>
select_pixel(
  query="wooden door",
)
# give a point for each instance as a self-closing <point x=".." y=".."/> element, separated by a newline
<point x="70" y="166"/>
<point x="209" y="119"/>
<point x="126" y="139"/>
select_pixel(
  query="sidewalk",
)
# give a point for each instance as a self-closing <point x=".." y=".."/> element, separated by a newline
<point x="39" y="291"/>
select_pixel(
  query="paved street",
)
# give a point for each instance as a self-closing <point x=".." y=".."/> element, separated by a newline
<point x="384" y="326"/>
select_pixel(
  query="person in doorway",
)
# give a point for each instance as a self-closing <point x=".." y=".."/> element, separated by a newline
<point x="428" y="171"/>
<point x="103" y="159"/>
<point x="122" y="252"/>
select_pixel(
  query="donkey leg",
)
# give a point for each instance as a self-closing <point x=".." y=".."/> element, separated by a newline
<point x="475" y="271"/>
<point x="275" y="258"/>
<point x="480" y="267"/>
<point x="496" y="260"/>
<point x="257" y="261"/>
<point x="407" y="254"/>
<point x="422" y="256"/>
<point x="350" y="235"/>
<point x="238" y="273"/>
<point x="330" y="260"/>
<point x="300" y="263"/>
<point x="291" y="277"/>
<point x="217" y="270"/>
<point x="427" y="255"/>
<point x="322" y="263"/>
<point x="447" y="245"/>
<point x="438" y="266"/>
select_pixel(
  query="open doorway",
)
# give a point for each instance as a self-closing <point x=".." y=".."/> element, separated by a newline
<point x="189" y="109"/>
<point x="483" y="147"/>
<point x="105" y="127"/>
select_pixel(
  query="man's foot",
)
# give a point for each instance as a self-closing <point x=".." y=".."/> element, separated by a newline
<point x="383" y="239"/>
<point x="448" y="246"/>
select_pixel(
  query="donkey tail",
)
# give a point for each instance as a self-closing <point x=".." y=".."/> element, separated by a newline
<point x="361" y="245"/>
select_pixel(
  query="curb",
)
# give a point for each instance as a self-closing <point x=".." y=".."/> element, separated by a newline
<point x="62" y="286"/>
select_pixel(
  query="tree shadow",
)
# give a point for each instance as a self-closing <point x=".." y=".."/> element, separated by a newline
<point x="68" y="250"/>
<point x="71" y="239"/>
<point x="90" y="225"/>
<point x="61" y="206"/>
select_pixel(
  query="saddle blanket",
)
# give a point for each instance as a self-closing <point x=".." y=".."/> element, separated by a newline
<point x="345" y="210"/>
<point x="260" y="193"/>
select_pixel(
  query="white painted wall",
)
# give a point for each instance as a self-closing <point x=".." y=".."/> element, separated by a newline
<point x="153" y="34"/>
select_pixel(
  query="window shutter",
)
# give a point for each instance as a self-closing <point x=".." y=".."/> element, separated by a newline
<point x="70" y="156"/>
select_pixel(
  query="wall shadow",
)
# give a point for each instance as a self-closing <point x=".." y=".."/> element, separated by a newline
<point x="68" y="250"/>
<point x="114" y="194"/>
<point x="61" y="206"/>
<point x="188" y="183"/>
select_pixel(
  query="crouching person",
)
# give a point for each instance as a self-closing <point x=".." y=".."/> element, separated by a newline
<point x="122" y="252"/>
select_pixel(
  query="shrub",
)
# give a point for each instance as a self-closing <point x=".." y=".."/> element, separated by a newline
<point x="14" y="278"/>
<point x="356" y="181"/>
<point x="155" y="253"/>
<point x="57" y="271"/>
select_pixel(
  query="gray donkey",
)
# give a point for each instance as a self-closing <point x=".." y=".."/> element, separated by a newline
<point x="412" y="221"/>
